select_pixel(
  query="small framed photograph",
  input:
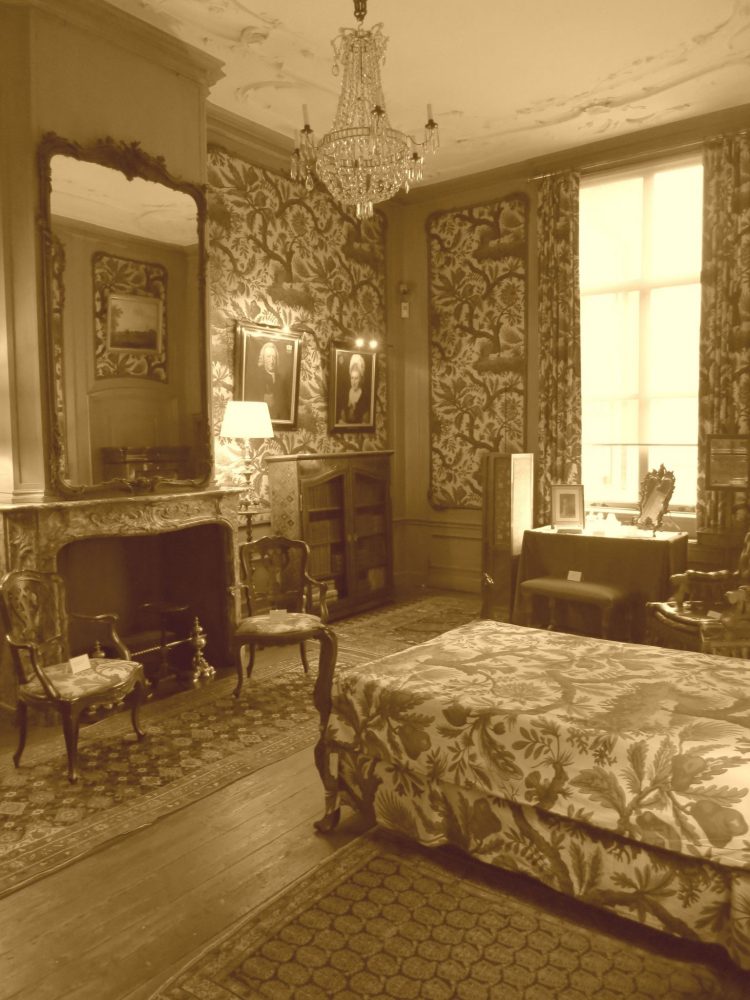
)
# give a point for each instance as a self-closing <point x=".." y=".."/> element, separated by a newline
<point x="134" y="323"/>
<point x="268" y="370"/>
<point x="351" y="390"/>
<point x="728" y="463"/>
<point x="567" y="507"/>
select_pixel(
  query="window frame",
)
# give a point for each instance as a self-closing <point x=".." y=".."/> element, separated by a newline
<point x="644" y="287"/>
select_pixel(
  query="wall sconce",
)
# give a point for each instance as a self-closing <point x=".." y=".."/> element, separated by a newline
<point x="246" y="421"/>
<point x="372" y="343"/>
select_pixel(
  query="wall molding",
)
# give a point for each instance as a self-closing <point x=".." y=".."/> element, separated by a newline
<point x="248" y="140"/>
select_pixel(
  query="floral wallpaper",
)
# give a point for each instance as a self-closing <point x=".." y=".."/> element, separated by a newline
<point x="122" y="276"/>
<point x="477" y="328"/>
<point x="293" y="259"/>
<point x="724" y="386"/>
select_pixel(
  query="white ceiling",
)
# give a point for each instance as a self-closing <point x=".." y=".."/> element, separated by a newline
<point x="508" y="80"/>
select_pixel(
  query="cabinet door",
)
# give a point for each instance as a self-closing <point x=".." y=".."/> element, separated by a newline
<point x="370" y="533"/>
<point x="324" y="528"/>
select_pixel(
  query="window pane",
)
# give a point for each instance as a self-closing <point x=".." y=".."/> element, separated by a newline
<point x="676" y="223"/>
<point x="674" y="316"/>
<point x="684" y="463"/>
<point x="609" y="344"/>
<point x="610" y="421"/>
<point x="612" y="474"/>
<point x="610" y="232"/>
<point x="671" y="421"/>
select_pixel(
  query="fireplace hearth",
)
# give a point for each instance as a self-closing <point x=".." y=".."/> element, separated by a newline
<point x="117" y="553"/>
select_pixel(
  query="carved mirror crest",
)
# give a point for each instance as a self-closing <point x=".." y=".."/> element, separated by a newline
<point x="125" y="345"/>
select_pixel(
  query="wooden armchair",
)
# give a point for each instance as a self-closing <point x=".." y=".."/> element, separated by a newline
<point x="699" y="597"/>
<point x="281" y="599"/>
<point x="33" y="612"/>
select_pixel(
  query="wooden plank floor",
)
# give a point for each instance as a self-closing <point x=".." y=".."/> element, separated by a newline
<point x="116" y="924"/>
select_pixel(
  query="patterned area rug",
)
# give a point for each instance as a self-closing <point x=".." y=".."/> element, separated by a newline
<point x="389" y="920"/>
<point x="198" y="741"/>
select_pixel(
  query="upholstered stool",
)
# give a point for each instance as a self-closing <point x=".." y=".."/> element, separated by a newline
<point x="557" y="591"/>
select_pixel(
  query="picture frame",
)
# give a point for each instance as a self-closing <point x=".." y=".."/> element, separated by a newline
<point x="568" y="511"/>
<point x="134" y="323"/>
<point x="268" y="369"/>
<point x="728" y="462"/>
<point x="351" y="389"/>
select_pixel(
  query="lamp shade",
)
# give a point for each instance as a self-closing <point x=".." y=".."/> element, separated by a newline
<point x="245" y="419"/>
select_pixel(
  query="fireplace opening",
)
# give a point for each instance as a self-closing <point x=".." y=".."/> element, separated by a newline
<point x="117" y="574"/>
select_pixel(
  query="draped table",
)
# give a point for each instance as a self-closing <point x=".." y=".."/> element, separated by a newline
<point x="636" y="560"/>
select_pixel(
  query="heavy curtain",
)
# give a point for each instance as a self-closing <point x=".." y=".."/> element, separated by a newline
<point x="724" y="387"/>
<point x="559" y="441"/>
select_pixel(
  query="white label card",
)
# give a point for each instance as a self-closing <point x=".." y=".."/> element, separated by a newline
<point x="713" y="614"/>
<point x="277" y="614"/>
<point x="80" y="663"/>
<point x="575" y="575"/>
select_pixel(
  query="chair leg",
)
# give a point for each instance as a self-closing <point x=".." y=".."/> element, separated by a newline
<point x="238" y="647"/>
<point x="250" y="661"/>
<point x="22" y="715"/>
<point x="303" y="654"/>
<point x="138" y="696"/>
<point x="70" y="730"/>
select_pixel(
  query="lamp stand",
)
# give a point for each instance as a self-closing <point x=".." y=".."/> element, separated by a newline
<point x="249" y="499"/>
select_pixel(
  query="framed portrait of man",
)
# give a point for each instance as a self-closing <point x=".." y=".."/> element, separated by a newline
<point x="351" y="399"/>
<point x="268" y="368"/>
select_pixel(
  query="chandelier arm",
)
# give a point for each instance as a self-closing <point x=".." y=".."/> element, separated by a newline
<point x="362" y="159"/>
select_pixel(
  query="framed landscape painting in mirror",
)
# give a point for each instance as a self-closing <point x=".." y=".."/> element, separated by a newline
<point x="268" y="368"/>
<point x="351" y="401"/>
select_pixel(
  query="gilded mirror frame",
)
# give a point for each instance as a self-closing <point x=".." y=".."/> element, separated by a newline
<point x="132" y="161"/>
<point x="657" y="487"/>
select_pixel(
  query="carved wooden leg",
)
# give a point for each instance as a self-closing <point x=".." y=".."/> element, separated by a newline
<point x="70" y="730"/>
<point x="138" y="695"/>
<point x="303" y="654"/>
<point x="22" y="716"/>
<point x="237" y="649"/>
<point x="322" y="693"/>
<point x="250" y="661"/>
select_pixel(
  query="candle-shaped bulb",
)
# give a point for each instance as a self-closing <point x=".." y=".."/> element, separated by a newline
<point x="305" y="118"/>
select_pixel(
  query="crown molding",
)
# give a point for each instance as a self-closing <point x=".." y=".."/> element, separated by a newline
<point x="675" y="137"/>
<point x="120" y="28"/>
<point x="247" y="139"/>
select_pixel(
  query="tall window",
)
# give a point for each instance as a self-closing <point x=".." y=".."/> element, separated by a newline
<point x="640" y="261"/>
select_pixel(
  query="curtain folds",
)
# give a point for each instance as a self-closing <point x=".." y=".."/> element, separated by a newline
<point x="724" y="387"/>
<point x="559" y="441"/>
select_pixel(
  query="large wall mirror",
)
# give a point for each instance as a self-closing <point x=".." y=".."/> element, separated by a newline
<point x="125" y="343"/>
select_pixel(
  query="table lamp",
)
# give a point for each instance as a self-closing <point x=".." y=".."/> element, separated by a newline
<point x="246" y="421"/>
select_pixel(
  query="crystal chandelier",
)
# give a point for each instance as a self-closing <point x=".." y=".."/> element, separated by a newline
<point x="362" y="159"/>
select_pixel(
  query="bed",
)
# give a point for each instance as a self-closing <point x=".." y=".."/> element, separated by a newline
<point x="615" y="773"/>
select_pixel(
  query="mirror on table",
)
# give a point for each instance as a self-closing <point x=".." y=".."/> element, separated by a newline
<point x="125" y="323"/>
<point x="656" y="491"/>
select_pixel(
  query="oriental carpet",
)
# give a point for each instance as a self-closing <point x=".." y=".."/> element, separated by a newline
<point x="385" y="919"/>
<point x="197" y="741"/>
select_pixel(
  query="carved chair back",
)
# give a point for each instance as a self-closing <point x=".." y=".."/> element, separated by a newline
<point x="726" y="638"/>
<point x="32" y="606"/>
<point x="274" y="574"/>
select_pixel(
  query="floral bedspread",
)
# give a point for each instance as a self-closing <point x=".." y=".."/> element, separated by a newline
<point x="650" y="744"/>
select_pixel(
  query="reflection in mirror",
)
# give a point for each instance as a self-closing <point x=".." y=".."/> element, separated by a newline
<point x="125" y="320"/>
<point x="657" y="488"/>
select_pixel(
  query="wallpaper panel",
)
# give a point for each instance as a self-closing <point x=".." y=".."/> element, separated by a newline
<point x="477" y="329"/>
<point x="294" y="259"/>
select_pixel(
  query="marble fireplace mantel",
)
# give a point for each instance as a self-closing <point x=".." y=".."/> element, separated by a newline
<point x="34" y="533"/>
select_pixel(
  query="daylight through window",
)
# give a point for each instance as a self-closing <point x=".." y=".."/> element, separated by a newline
<point x="640" y="262"/>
